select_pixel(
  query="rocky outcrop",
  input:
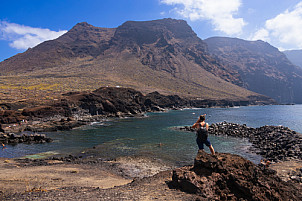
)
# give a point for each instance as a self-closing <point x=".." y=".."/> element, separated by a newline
<point x="53" y="125"/>
<point x="78" y="108"/>
<point x="10" y="116"/>
<point x="12" y="138"/>
<point x="61" y="109"/>
<point x="113" y="101"/>
<point x="116" y="101"/>
<point x="231" y="177"/>
<point x="275" y="143"/>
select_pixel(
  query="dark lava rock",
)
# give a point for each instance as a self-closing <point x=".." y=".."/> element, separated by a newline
<point x="275" y="143"/>
<point x="104" y="102"/>
<point x="10" y="116"/>
<point x="231" y="177"/>
<point x="1" y="130"/>
<point x="12" y="138"/>
<point x="61" y="108"/>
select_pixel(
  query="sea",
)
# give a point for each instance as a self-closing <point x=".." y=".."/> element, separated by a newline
<point x="154" y="135"/>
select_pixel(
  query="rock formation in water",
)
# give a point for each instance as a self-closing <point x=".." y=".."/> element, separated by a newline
<point x="275" y="143"/>
<point x="12" y="138"/>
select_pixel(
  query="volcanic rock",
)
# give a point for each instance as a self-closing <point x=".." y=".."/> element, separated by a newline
<point x="10" y="116"/>
<point x="231" y="177"/>
<point x="12" y="138"/>
<point x="275" y="143"/>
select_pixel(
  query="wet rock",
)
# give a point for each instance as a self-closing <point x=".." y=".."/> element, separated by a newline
<point x="12" y="138"/>
<point x="275" y="143"/>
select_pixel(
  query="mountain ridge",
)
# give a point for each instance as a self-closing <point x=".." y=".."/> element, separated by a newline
<point x="294" y="56"/>
<point x="262" y="67"/>
<point x="160" y="55"/>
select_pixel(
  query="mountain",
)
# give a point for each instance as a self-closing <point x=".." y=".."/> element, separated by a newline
<point x="160" y="55"/>
<point x="262" y="67"/>
<point x="295" y="56"/>
<point x="83" y="40"/>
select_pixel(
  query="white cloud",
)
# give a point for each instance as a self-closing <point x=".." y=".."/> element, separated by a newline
<point x="261" y="34"/>
<point x="285" y="29"/>
<point x="219" y="12"/>
<point x="23" y="37"/>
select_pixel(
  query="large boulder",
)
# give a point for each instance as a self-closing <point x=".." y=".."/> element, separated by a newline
<point x="231" y="177"/>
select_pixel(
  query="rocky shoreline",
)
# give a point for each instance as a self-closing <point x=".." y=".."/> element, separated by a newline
<point x="274" y="143"/>
<point x="220" y="177"/>
<point x="76" y="109"/>
<point x="230" y="179"/>
<point x="12" y="138"/>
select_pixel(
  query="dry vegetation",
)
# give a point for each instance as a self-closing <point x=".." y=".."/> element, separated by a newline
<point x="50" y="83"/>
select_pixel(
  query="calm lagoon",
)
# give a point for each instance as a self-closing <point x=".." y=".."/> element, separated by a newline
<point x="155" y="137"/>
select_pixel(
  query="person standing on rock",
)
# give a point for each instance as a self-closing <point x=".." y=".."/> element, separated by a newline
<point x="202" y="133"/>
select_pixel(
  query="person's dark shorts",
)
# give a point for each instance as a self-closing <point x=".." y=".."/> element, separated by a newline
<point x="200" y="143"/>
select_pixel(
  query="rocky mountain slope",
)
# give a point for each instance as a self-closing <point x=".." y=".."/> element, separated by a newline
<point x="295" y="56"/>
<point x="262" y="67"/>
<point x="161" y="55"/>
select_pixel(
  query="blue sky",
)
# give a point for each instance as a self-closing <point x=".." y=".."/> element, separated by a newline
<point x="26" y="23"/>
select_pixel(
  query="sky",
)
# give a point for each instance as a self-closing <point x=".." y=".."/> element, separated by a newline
<point x="26" y="23"/>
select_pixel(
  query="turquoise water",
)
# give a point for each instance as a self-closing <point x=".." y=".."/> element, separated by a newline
<point x="154" y="135"/>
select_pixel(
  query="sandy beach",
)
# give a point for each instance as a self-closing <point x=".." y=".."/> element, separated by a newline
<point x="73" y="178"/>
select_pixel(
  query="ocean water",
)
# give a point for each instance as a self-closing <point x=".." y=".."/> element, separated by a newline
<point x="154" y="135"/>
